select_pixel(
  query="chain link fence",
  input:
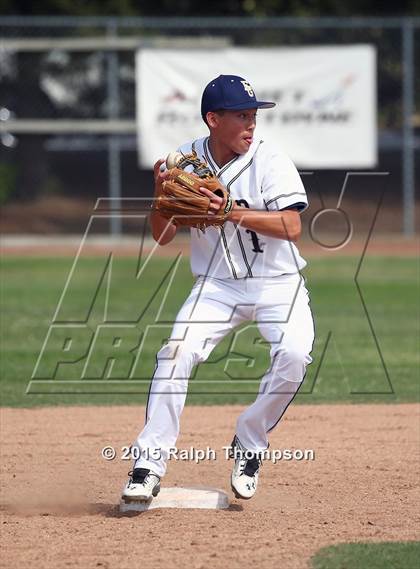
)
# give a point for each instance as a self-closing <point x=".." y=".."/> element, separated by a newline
<point x="67" y="100"/>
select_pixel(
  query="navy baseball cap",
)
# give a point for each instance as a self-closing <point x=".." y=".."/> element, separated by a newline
<point x="231" y="93"/>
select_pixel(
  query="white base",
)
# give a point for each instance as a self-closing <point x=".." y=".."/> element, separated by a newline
<point x="203" y="498"/>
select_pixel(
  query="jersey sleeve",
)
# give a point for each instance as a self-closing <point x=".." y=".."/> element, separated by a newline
<point x="185" y="148"/>
<point x="282" y="187"/>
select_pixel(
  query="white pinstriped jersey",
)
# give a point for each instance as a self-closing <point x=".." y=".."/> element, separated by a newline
<point x="263" y="179"/>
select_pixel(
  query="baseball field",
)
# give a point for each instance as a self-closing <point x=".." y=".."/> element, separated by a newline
<point x="354" y="503"/>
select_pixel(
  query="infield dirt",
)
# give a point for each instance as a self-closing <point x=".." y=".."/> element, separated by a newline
<point x="59" y="501"/>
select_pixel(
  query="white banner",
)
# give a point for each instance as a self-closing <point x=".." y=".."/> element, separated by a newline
<point x="325" y="115"/>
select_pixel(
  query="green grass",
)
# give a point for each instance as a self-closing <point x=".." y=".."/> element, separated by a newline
<point x="396" y="555"/>
<point x="347" y="365"/>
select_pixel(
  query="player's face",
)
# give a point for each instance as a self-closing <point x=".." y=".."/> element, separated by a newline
<point x="235" y="129"/>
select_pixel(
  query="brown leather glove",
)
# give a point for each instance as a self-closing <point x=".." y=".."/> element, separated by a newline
<point x="181" y="199"/>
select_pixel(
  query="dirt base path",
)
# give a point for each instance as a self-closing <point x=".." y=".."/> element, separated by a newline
<point x="59" y="497"/>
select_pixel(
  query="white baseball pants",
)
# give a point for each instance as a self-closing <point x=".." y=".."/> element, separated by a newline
<point x="280" y="306"/>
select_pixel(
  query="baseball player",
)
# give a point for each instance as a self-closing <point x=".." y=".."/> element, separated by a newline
<point x="246" y="269"/>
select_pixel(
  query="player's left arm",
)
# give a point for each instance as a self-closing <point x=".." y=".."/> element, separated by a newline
<point x="283" y="224"/>
<point x="284" y="197"/>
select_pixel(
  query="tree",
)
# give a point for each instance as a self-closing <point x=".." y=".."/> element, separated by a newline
<point x="217" y="7"/>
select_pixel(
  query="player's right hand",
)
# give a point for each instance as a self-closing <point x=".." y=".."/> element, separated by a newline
<point x="159" y="176"/>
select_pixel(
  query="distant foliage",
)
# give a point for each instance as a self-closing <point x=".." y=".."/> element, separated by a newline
<point x="217" y="7"/>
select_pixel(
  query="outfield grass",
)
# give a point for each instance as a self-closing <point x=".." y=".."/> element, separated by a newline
<point x="347" y="365"/>
<point x="398" y="555"/>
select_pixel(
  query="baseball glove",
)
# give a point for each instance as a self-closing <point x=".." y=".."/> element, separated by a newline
<point x="181" y="200"/>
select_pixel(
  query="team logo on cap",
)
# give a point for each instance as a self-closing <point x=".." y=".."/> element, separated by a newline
<point x="248" y="88"/>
